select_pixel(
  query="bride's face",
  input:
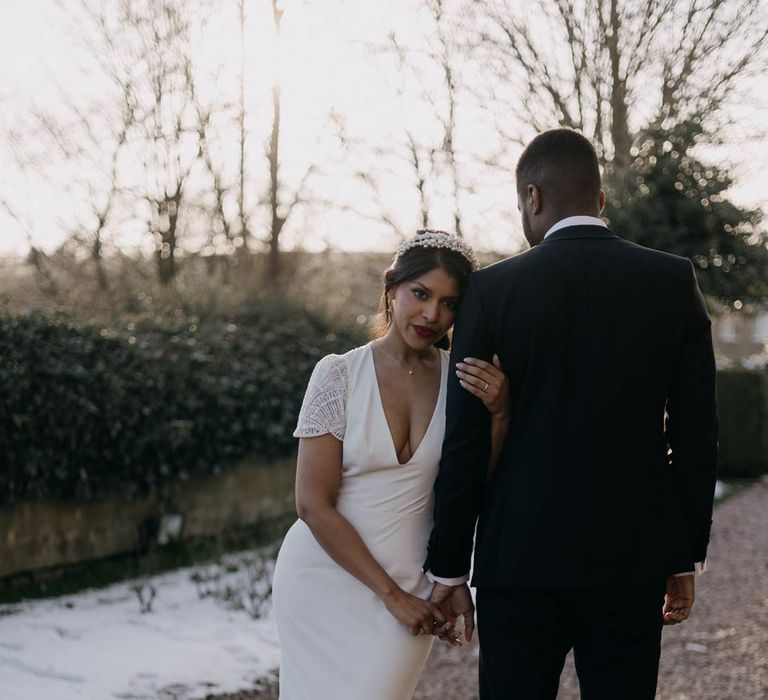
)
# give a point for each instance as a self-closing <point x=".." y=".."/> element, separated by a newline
<point x="423" y="308"/>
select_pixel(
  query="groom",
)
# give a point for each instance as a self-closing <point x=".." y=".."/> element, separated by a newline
<point x="599" y="508"/>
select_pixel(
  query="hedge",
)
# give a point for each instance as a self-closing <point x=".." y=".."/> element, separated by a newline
<point x="742" y="402"/>
<point x="87" y="411"/>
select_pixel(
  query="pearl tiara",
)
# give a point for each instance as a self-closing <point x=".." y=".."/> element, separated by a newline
<point x="432" y="238"/>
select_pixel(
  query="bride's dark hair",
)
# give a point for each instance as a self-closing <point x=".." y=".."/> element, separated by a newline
<point x="411" y="264"/>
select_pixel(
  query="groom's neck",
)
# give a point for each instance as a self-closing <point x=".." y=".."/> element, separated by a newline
<point x="564" y="212"/>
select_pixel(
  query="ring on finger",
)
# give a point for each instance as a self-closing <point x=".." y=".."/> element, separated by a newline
<point x="486" y="386"/>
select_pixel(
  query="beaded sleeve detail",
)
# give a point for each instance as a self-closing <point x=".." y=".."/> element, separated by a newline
<point x="324" y="408"/>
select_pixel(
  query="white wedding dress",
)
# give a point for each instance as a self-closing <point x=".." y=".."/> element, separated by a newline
<point x="338" y="641"/>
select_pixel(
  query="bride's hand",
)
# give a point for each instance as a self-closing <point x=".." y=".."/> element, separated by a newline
<point x="419" y="616"/>
<point x="487" y="381"/>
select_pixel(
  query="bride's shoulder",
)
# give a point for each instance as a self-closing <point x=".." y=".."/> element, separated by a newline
<point x="339" y="363"/>
<point x="354" y="355"/>
<point x="331" y="364"/>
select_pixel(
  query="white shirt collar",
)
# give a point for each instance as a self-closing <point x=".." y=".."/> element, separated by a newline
<point x="576" y="221"/>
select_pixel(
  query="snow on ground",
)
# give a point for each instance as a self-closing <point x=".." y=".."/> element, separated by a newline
<point x="99" y="645"/>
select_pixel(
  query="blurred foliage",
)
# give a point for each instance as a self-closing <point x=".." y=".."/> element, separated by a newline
<point x="669" y="200"/>
<point x="338" y="286"/>
<point x="742" y="396"/>
<point x="88" y="410"/>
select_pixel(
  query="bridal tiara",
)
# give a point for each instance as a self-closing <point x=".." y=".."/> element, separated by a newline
<point x="433" y="238"/>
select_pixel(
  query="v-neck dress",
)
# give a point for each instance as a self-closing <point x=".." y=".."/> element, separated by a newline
<point x="338" y="641"/>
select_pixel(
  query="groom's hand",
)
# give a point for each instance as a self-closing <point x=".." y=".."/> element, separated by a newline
<point x="678" y="599"/>
<point x="455" y="602"/>
<point x="441" y="592"/>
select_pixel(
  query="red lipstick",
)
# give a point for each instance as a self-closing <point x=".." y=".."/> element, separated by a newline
<point x="424" y="331"/>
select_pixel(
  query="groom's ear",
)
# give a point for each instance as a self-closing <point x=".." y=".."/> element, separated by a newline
<point x="534" y="198"/>
<point x="601" y="200"/>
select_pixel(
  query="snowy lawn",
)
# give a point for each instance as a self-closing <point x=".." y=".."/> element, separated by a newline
<point x="99" y="645"/>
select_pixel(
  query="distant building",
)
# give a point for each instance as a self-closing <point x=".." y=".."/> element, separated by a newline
<point x="741" y="337"/>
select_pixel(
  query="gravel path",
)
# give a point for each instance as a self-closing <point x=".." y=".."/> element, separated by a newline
<point x="720" y="653"/>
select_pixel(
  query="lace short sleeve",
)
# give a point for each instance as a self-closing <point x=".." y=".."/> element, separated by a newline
<point x="324" y="408"/>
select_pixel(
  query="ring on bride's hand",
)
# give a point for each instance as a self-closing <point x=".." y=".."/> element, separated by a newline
<point x="486" y="386"/>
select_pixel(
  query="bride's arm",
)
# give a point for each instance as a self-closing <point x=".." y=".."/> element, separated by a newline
<point x="318" y="479"/>
<point x="489" y="383"/>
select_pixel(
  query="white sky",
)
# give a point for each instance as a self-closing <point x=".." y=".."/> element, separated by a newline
<point x="322" y="70"/>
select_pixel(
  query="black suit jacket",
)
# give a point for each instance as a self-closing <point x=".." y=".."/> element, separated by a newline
<point x="608" y="468"/>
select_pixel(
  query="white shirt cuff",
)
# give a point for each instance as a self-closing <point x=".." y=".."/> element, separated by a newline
<point x="447" y="581"/>
<point x="699" y="568"/>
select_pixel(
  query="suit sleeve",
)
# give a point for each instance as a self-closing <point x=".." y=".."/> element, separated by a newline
<point x="691" y="424"/>
<point x="466" y="449"/>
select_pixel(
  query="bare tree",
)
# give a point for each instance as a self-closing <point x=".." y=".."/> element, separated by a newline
<point x="37" y="256"/>
<point x="102" y="193"/>
<point x="282" y="201"/>
<point x="444" y="55"/>
<point x="420" y="157"/>
<point x="75" y="150"/>
<point x="166" y="134"/>
<point x="433" y="78"/>
<point x="417" y="159"/>
<point x="687" y="56"/>
<point x="150" y="126"/>
<point x="225" y="188"/>
<point x="218" y="185"/>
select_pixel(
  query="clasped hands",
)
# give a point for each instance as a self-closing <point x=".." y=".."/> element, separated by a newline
<point x="454" y="602"/>
<point x="438" y="615"/>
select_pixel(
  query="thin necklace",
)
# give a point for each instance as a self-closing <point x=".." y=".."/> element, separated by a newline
<point x="394" y="359"/>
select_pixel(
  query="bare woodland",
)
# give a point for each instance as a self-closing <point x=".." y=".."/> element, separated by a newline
<point x="190" y="168"/>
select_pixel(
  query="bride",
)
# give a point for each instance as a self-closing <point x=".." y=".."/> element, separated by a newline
<point x="350" y="598"/>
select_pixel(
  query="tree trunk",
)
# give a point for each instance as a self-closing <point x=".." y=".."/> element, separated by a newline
<point x="168" y="216"/>
<point x="277" y="220"/>
<point x="244" y="224"/>
<point x="44" y="279"/>
<point x="98" y="261"/>
<point x="622" y="141"/>
<point x="274" y="188"/>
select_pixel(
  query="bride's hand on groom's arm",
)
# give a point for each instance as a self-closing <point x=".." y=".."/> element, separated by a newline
<point x="487" y="381"/>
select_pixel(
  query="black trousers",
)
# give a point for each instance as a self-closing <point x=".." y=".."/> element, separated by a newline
<point x="525" y="635"/>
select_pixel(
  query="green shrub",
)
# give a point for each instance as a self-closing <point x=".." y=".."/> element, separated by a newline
<point x="87" y="411"/>
<point x="742" y="398"/>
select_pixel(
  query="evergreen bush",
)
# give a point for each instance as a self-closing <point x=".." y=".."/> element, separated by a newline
<point x="742" y="402"/>
<point x="86" y="411"/>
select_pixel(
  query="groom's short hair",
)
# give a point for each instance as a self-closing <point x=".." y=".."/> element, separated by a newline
<point x="563" y="164"/>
